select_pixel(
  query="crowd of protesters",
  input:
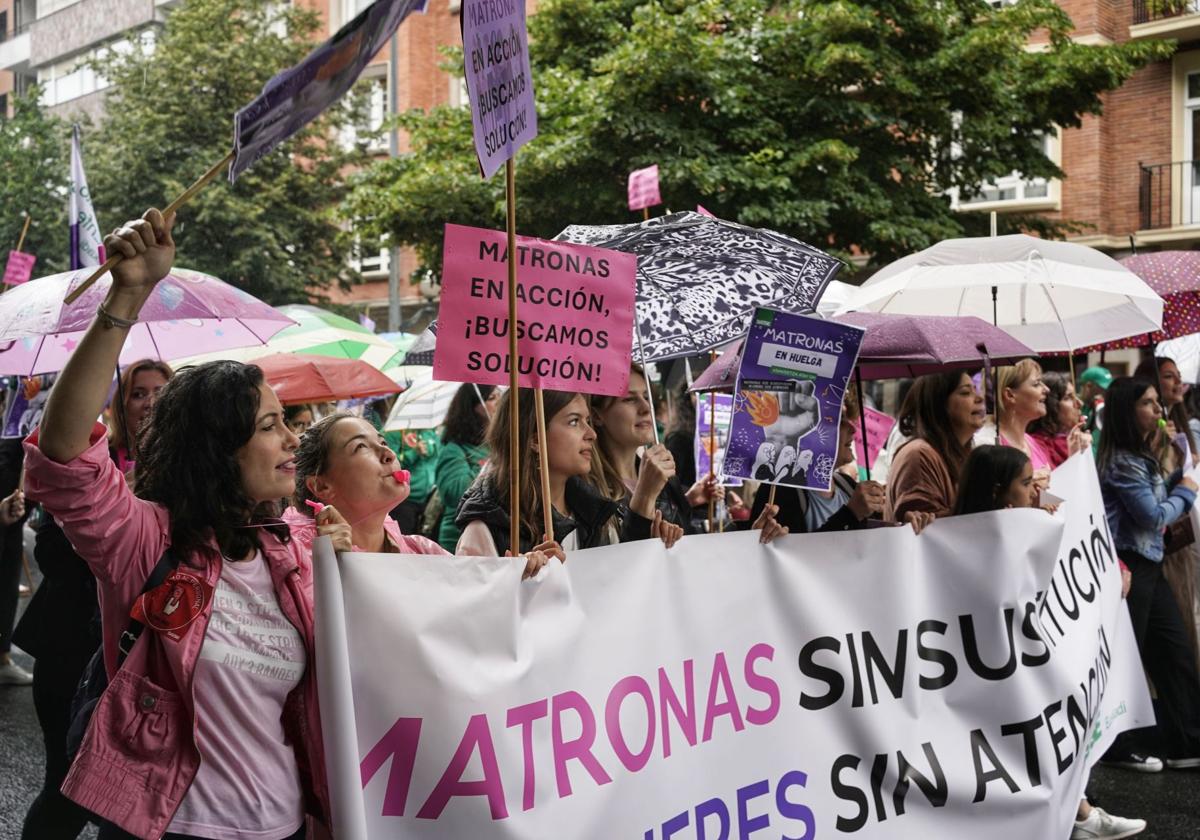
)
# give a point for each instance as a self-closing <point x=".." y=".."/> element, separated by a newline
<point x="202" y="481"/>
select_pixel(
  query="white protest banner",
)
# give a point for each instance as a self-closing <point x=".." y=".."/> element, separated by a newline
<point x="871" y="684"/>
<point x="499" y="81"/>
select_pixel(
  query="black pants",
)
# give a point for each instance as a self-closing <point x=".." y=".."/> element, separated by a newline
<point x="1166" y="654"/>
<point x="11" y="458"/>
<point x="52" y="816"/>
<point x="108" y="831"/>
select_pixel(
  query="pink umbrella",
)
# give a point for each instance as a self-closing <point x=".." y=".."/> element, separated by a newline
<point x="187" y="313"/>
<point x="898" y="346"/>
<point x="305" y="379"/>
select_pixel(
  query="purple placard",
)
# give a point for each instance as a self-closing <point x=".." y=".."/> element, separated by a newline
<point x="298" y="95"/>
<point x="788" y="399"/>
<point x="499" y="81"/>
<point x="19" y="268"/>
<point x="706" y="441"/>
<point x="643" y="188"/>
<point x="25" y="405"/>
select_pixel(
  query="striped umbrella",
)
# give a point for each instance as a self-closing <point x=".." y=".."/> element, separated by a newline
<point x="316" y="333"/>
<point x="423" y="405"/>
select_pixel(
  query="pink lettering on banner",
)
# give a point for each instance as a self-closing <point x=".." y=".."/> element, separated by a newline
<point x="643" y="188"/>
<point x="19" y="268"/>
<point x="879" y="426"/>
<point x="575" y="309"/>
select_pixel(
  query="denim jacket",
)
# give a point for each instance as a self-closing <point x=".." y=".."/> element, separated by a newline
<point x="1140" y="503"/>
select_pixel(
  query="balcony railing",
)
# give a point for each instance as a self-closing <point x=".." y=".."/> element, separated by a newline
<point x="16" y="32"/>
<point x="1169" y="194"/>
<point x="1145" y="11"/>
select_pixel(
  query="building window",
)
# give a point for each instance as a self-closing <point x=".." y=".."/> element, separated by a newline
<point x="370" y="259"/>
<point x="369" y="129"/>
<point x="458" y="93"/>
<point x="1014" y="187"/>
<point x="75" y="77"/>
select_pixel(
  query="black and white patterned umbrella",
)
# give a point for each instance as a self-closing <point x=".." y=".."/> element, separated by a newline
<point x="700" y="278"/>
<point x="421" y="352"/>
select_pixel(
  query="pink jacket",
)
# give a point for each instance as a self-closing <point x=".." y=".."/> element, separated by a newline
<point x="304" y="529"/>
<point x="139" y="755"/>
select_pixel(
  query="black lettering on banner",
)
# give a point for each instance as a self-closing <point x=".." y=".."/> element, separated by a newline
<point x="966" y="625"/>
<point x="829" y="676"/>
<point x="849" y="793"/>
<point x="935" y="655"/>
<point x="980" y="747"/>
<point x="1027" y="729"/>
<point x="936" y="792"/>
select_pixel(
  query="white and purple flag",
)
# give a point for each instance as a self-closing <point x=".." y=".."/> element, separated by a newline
<point x="86" y="247"/>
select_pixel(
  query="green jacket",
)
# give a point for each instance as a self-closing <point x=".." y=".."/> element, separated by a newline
<point x="457" y="467"/>
<point x="420" y="467"/>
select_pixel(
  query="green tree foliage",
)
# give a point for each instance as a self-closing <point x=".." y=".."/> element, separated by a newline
<point x="33" y="179"/>
<point x="842" y="123"/>
<point x="169" y="116"/>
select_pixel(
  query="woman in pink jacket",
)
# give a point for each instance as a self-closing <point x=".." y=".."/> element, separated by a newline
<point x="210" y="728"/>
<point x="344" y="461"/>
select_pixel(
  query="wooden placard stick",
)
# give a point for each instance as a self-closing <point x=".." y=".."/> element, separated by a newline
<point x="514" y="426"/>
<point x="182" y="199"/>
<point x="544" y="465"/>
<point x="24" y="230"/>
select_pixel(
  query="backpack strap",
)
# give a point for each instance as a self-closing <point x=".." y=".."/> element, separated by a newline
<point x="166" y="564"/>
<point x="845" y="483"/>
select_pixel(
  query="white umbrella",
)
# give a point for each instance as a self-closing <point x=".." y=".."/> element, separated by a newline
<point x="835" y="297"/>
<point x="423" y="405"/>
<point x="1185" y="352"/>
<point x="1052" y="296"/>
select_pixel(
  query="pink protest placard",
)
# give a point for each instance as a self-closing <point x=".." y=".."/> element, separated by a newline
<point x="879" y="426"/>
<point x="575" y="309"/>
<point x="19" y="268"/>
<point x="643" y="188"/>
<point x="703" y="211"/>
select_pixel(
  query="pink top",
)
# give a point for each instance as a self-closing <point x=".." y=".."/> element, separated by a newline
<point x="247" y="787"/>
<point x="304" y="529"/>
<point x="1038" y="455"/>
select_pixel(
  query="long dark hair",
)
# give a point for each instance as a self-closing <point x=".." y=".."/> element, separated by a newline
<point x="1120" y="432"/>
<point x="501" y="459"/>
<point x="986" y="477"/>
<point x="463" y="424"/>
<point x="1149" y="369"/>
<point x="931" y="423"/>
<point x="186" y="457"/>
<point x="1057" y="384"/>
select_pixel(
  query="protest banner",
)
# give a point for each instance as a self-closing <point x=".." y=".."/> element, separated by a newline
<point x="788" y="399"/>
<point x="643" y="188"/>
<point x="499" y="80"/>
<point x="298" y="95"/>
<point x="879" y="426"/>
<point x="19" y="268"/>
<point x="575" y="331"/>
<point x="711" y="438"/>
<point x="964" y="692"/>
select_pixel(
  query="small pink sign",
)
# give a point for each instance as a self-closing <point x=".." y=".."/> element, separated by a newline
<point x="643" y="188"/>
<point x="703" y="211"/>
<point x="19" y="268"/>
<point x="879" y="426"/>
<point x="575" y="309"/>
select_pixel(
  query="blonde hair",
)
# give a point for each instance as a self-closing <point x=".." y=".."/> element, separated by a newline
<point x="1011" y="376"/>
<point x="118" y="434"/>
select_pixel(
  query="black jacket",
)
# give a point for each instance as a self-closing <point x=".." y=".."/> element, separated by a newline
<point x="592" y="513"/>
<point x="63" y="616"/>
<point x="793" y="503"/>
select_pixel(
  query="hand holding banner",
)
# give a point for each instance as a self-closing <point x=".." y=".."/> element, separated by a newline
<point x="575" y="332"/>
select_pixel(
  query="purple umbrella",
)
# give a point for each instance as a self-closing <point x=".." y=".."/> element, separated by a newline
<point x="898" y="346"/>
<point x="1175" y="277"/>
<point x="187" y="313"/>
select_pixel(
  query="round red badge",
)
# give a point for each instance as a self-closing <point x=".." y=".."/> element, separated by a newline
<point x="173" y="605"/>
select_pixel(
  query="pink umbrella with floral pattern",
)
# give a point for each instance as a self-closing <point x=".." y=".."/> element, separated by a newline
<point x="187" y="313"/>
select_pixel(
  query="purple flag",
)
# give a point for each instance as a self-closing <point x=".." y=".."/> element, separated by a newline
<point x="788" y="400"/>
<point x="298" y="95"/>
<point x="499" y="81"/>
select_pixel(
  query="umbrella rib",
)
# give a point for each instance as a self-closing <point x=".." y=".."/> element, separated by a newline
<point x="154" y="342"/>
<point x="1050" y="300"/>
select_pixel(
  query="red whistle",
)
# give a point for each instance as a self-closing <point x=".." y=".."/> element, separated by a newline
<point x="316" y="506"/>
<point x="401" y="476"/>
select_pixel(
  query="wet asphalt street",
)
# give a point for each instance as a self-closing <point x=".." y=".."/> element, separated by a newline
<point x="1169" y="801"/>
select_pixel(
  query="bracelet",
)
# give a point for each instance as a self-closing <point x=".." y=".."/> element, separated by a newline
<point x="109" y="320"/>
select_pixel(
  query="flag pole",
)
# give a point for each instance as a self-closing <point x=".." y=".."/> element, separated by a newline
<point x="514" y="396"/>
<point x="24" y="230"/>
<point x="543" y="465"/>
<point x="182" y="199"/>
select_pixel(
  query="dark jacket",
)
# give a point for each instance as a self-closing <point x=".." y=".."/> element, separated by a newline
<point x="592" y="513"/>
<point x="63" y="616"/>
<point x="793" y="503"/>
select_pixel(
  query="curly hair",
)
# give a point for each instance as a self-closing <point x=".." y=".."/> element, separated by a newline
<point x="187" y="458"/>
<point x="312" y="457"/>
